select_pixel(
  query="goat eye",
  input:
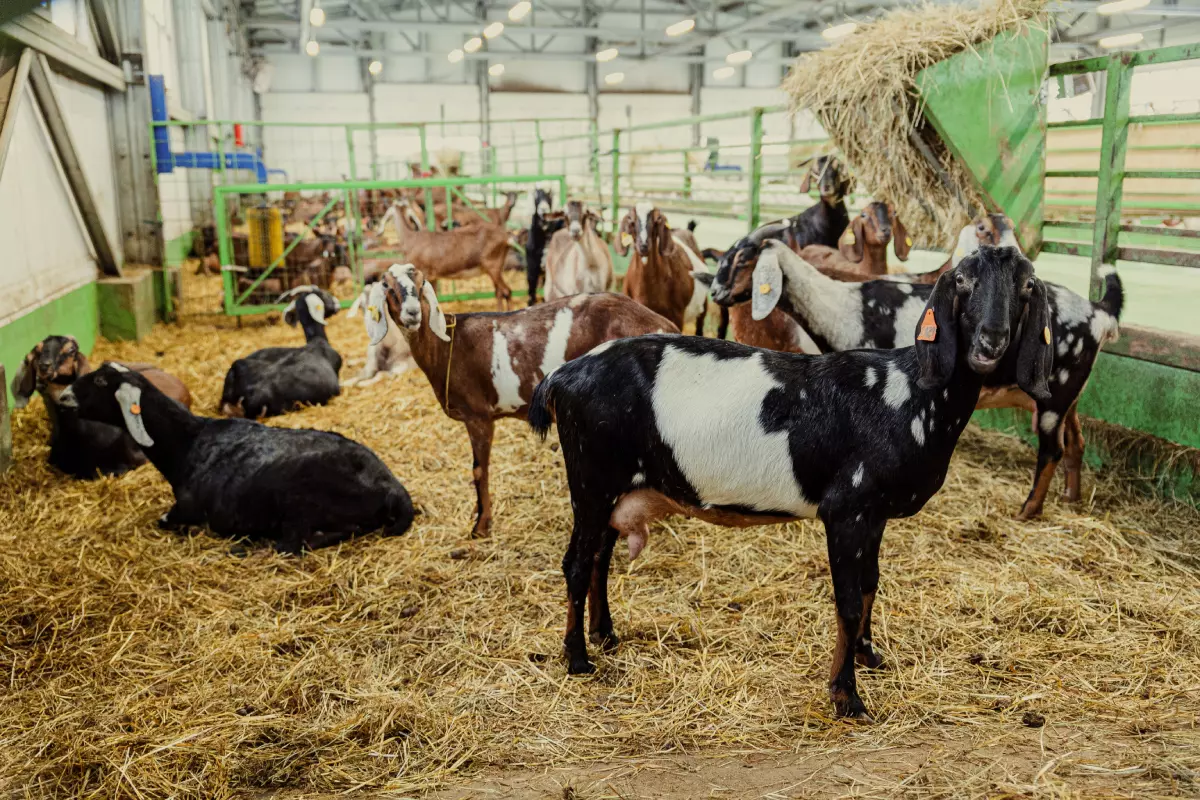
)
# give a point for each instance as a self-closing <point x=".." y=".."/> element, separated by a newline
<point x="101" y="382"/>
<point x="960" y="281"/>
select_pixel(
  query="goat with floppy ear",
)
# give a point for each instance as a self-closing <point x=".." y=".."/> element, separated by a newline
<point x="276" y="380"/>
<point x="661" y="274"/>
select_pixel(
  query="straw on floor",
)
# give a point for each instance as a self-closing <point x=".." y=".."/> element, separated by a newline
<point x="862" y="90"/>
<point x="140" y="663"/>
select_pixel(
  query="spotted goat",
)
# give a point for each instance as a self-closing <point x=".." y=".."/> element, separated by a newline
<point x="883" y="314"/>
<point x="737" y="436"/>
<point x="484" y="366"/>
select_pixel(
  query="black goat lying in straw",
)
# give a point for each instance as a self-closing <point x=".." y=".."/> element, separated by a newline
<point x="78" y="447"/>
<point x="883" y="314"/>
<point x="276" y="380"/>
<point x="301" y="489"/>
<point x="737" y="436"/>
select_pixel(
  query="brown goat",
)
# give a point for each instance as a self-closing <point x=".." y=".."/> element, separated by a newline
<point x="495" y="216"/>
<point x="455" y="253"/>
<point x="660" y="271"/>
<point x="482" y="367"/>
<point x="577" y="259"/>
<point x="862" y="249"/>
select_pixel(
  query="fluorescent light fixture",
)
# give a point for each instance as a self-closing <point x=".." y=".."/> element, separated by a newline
<point x="473" y="44"/>
<point x="312" y="48"/>
<point x="316" y="16"/>
<point x="681" y="27"/>
<point x="522" y="8"/>
<point x="455" y="56"/>
<point x="834" y="32"/>
<point x="496" y="70"/>
<point x="1121" y="6"/>
<point x="721" y="73"/>
<point x="740" y="57"/>
<point x="607" y="55"/>
<point x="1109" y="42"/>
<point x="375" y="67"/>
<point x="493" y="30"/>
<point x="613" y="78"/>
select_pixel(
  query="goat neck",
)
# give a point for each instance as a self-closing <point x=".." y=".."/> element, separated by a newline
<point x="173" y="429"/>
<point x="822" y="305"/>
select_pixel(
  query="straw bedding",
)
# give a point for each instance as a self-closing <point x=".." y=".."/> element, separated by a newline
<point x="862" y="90"/>
<point x="139" y="663"/>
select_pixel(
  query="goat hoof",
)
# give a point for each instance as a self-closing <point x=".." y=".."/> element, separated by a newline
<point x="868" y="658"/>
<point x="580" y="667"/>
<point x="608" y="641"/>
<point x="1027" y="513"/>
<point x="848" y="704"/>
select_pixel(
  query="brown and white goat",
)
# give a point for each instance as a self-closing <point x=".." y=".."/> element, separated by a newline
<point x="456" y="253"/>
<point x="660" y="270"/>
<point x="995" y="230"/>
<point x="862" y="248"/>
<point x="577" y="259"/>
<point x="482" y="367"/>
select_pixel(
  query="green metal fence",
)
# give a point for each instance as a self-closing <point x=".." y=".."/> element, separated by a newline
<point x="240" y="299"/>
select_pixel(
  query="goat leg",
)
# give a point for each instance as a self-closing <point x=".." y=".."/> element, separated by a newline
<point x="864" y="651"/>
<point x="1050" y="452"/>
<point x="1073" y="459"/>
<point x="481" y="432"/>
<point x="579" y="565"/>
<point x="600" y="626"/>
<point x="844" y="539"/>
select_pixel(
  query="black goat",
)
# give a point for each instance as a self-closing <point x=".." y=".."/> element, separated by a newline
<point x="884" y="314"/>
<point x="81" y="448"/>
<point x="276" y="380"/>
<point x="541" y="228"/>
<point x="301" y="489"/>
<point x="660" y="425"/>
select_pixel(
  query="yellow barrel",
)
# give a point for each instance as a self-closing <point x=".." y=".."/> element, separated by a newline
<point x="266" y="235"/>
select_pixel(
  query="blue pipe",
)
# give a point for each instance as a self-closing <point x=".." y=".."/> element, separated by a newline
<point x="166" y="161"/>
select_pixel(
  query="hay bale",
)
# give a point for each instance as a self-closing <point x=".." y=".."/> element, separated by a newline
<point x="863" y="91"/>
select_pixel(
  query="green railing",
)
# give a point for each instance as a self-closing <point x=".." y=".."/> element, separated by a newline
<point x="238" y="300"/>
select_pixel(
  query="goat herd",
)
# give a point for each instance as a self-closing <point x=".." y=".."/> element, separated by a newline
<point x="651" y="423"/>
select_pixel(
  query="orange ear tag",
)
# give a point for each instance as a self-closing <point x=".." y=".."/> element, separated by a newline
<point x="928" y="327"/>
<point x="1046" y="334"/>
<point x="135" y="409"/>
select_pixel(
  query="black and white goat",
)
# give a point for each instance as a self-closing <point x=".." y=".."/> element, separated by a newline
<point x="737" y="436"/>
<point x="301" y="489"/>
<point x="883" y="314"/>
<point x="541" y="228"/>
<point x="275" y="380"/>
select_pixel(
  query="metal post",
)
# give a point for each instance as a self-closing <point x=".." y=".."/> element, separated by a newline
<point x="350" y="153"/>
<point x="687" y="177"/>
<point x="594" y="159"/>
<point x="1115" y="136"/>
<point x="541" y="150"/>
<point x="756" y="133"/>
<point x="430" y="222"/>
<point x="224" y="251"/>
<point x="616" y="181"/>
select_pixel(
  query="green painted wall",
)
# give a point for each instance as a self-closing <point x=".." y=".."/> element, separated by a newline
<point x="73" y="314"/>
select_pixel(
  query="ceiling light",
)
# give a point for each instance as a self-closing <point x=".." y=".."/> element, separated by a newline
<point x="607" y="55"/>
<point x="473" y="44"/>
<point x="740" y="57"/>
<point x="455" y="56"/>
<point x="496" y="70"/>
<point x="1109" y="42"/>
<point x="613" y="78"/>
<point x="838" y="31"/>
<point x="493" y="30"/>
<point x="522" y="8"/>
<point x="721" y="73"/>
<point x="312" y="48"/>
<point x="316" y="16"/>
<point x="681" y="27"/>
<point x="1121" y="6"/>
<point x="375" y="67"/>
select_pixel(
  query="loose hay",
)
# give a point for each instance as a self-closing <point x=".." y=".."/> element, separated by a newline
<point x="863" y="91"/>
<point x="141" y="663"/>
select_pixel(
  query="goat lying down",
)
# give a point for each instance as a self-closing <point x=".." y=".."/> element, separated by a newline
<point x="484" y="366"/>
<point x="884" y="314"/>
<point x="736" y="436"/>
<point x="301" y="489"/>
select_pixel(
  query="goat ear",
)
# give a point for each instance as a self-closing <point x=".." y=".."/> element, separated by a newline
<point x="437" y="320"/>
<point x="25" y="382"/>
<point x="937" y="335"/>
<point x="901" y="241"/>
<point x="851" y="243"/>
<point x="623" y="238"/>
<point x="375" y="313"/>
<point x="666" y="241"/>
<point x="1035" y="356"/>
<point x="129" y="397"/>
<point x="767" y="284"/>
<point x="316" y="307"/>
<point x="806" y="181"/>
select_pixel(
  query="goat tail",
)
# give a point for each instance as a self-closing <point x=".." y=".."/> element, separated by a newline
<point x="541" y="407"/>
<point x="1114" y="293"/>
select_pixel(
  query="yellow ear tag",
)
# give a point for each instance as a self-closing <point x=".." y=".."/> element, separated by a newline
<point x="135" y="409"/>
<point x="908" y="241"/>
<point x="850" y="238"/>
<point x="764" y="288"/>
<point x="375" y="315"/>
<point x="626" y="239"/>
<point x="959" y="253"/>
<point x="928" y="327"/>
<point x="1046" y="334"/>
